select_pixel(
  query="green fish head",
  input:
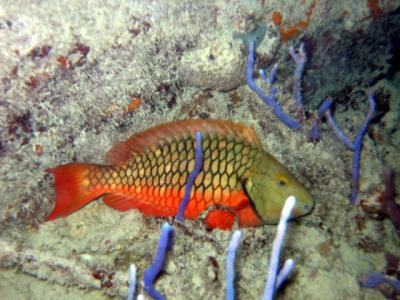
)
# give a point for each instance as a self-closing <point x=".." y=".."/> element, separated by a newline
<point x="268" y="187"/>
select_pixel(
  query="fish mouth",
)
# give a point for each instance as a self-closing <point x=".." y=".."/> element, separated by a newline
<point x="303" y="208"/>
<point x="306" y="209"/>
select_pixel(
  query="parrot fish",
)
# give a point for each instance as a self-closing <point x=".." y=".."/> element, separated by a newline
<point x="148" y="172"/>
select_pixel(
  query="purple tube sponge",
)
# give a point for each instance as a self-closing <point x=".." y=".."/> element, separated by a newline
<point x="276" y="279"/>
<point x="150" y="274"/>
<point x="167" y="231"/>
<point x="132" y="282"/>
<point x="198" y="156"/>
<point x="389" y="286"/>
<point x="270" y="100"/>
<point x="230" y="265"/>
<point x="325" y="106"/>
<point x="356" y="146"/>
<point x="388" y="282"/>
<point x="339" y="133"/>
<point x="355" y="180"/>
<point x="300" y="59"/>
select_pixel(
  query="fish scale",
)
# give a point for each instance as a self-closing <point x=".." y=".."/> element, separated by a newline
<point x="159" y="176"/>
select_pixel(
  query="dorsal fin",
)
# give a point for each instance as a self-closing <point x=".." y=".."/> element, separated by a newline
<point x="142" y="141"/>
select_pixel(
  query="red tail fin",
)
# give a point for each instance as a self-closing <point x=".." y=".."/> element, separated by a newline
<point x="73" y="189"/>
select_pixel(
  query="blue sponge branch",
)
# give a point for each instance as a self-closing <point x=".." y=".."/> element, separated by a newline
<point x="230" y="265"/>
<point x="150" y="274"/>
<point x="275" y="279"/>
<point x="355" y="146"/>
<point x="198" y="156"/>
<point x="270" y="100"/>
<point x="167" y="231"/>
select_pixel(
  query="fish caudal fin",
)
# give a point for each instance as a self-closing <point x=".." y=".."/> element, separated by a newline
<point x="73" y="189"/>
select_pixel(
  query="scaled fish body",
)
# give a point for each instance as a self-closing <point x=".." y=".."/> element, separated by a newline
<point x="149" y="172"/>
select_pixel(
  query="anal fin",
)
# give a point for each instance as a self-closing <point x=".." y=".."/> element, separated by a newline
<point x="124" y="202"/>
<point x="119" y="201"/>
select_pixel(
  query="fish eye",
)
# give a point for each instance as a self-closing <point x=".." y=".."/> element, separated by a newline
<point x="282" y="181"/>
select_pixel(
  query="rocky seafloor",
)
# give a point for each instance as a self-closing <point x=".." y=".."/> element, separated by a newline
<point x="78" y="77"/>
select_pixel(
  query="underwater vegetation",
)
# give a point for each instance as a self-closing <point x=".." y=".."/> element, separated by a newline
<point x="299" y="56"/>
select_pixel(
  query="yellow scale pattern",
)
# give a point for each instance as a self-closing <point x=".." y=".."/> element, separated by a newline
<point x="158" y="176"/>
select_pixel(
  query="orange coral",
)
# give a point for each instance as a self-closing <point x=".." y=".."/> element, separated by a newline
<point x="292" y="30"/>
<point x="289" y="33"/>
<point x="133" y="105"/>
<point x="62" y="60"/>
<point x="277" y="18"/>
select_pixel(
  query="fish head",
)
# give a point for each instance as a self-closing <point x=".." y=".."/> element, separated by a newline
<point x="269" y="185"/>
